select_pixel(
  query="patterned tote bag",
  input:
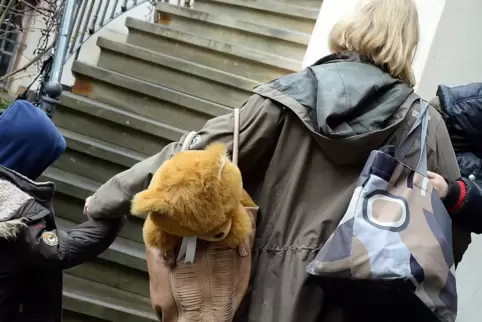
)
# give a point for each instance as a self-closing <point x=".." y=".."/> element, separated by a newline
<point x="390" y="258"/>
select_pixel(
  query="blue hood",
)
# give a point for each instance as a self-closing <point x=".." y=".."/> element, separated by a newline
<point x="29" y="141"/>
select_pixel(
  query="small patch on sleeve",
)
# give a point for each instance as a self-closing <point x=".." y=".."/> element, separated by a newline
<point x="50" y="238"/>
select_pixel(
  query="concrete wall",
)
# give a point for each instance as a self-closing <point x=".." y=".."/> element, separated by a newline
<point x="450" y="52"/>
<point x="456" y="58"/>
<point x="89" y="53"/>
<point x="455" y="55"/>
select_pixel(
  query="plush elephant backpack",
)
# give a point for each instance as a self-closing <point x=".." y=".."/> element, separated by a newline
<point x="390" y="259"/>
<point x="204" y="283"/>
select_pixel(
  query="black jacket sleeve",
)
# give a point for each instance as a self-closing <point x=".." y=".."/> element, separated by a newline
<point x="464" y="203"/>
<point x="50" y="247"/>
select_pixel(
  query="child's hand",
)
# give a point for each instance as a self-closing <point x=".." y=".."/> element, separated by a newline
<point x="439" y="183"/>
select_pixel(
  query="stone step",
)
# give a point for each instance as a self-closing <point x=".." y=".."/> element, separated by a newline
<point x="312" y="4"/>
<point x="144" y="98"/>
<point x="181" y="75"/>
<point x="229" y="57"/>
<point x="123" y="251"/>
<point x="274" y="14"/>
<point x="113" y="125"/>
<point x="101" y="149"/>
<point x="103" y="302"/>
<point x="94" y="159"/>
<point x="87" y="166"/>
<point x="114" y="275"/>
<point x="70" y="184"/>
<point x="72" y="190"/>
<point x="70" y="316"/>
<point x="127" y="253"/>
<point x="282" y="42"/>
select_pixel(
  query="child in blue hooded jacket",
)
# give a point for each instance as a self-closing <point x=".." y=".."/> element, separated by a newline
<point x="33" y="250"/>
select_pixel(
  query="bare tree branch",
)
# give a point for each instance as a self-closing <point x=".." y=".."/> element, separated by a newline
<point x="12" y="20"/>
<point x="39" y="10"/>
<point x="6" y="10"/>
<point x="30" y="63"/>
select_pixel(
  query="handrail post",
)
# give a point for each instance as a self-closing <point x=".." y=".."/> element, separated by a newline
<point x="53" y="89"/>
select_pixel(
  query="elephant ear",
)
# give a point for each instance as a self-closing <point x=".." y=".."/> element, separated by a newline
<point x="149" y="201"/>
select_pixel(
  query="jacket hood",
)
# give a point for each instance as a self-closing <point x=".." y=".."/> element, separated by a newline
<point x="350" y="105"/>
<point x="16" y="196"/>
<point x="29" y="140"/>
<point x="463" y="105"/>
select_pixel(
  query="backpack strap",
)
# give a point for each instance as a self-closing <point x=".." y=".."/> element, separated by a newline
<point x="236" y="136"/>
<point x="188" y="245"/>
<point x="191" y="135"/>
<point x="188" y="140"/>
<point x="404" y="147"/>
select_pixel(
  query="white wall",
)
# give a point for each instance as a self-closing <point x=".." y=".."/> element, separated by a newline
<point x="456" y="58"/>
<point x="331" y="12"/>
<point x="456" y="54"/>
<point x="450" y="53"/>
<point x="89" y="53"/>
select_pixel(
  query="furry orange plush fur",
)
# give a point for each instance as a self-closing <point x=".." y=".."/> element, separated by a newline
<point x="195" y="193"/>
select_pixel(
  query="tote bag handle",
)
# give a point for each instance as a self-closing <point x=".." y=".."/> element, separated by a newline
<point x="404" y="147"/>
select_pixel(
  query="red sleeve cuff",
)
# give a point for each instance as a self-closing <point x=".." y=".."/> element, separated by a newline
<point x="462" y="196"/>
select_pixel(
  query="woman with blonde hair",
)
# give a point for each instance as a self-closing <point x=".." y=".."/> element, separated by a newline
<point x="304" y="140"/>
<point x="386" y="32"/>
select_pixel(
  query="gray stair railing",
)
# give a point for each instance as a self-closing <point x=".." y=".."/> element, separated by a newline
<point x="91" y="15"/>
<point x="80" y="20"/>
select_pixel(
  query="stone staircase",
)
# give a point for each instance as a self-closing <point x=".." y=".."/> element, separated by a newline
<point x="166" y="79"/>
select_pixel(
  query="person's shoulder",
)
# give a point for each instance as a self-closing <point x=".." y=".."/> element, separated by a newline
<point x="258" y="109"/>
<point x="435" y="120"/>
<point x="434" y="115"/>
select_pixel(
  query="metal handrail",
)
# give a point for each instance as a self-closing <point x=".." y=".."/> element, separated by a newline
<point x="53" y="89"/>
<point x="92" y="15"/>
<point x="80" y="20"/>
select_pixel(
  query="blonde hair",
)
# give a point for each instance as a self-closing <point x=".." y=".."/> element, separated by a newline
<point x="385" y="31"/>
